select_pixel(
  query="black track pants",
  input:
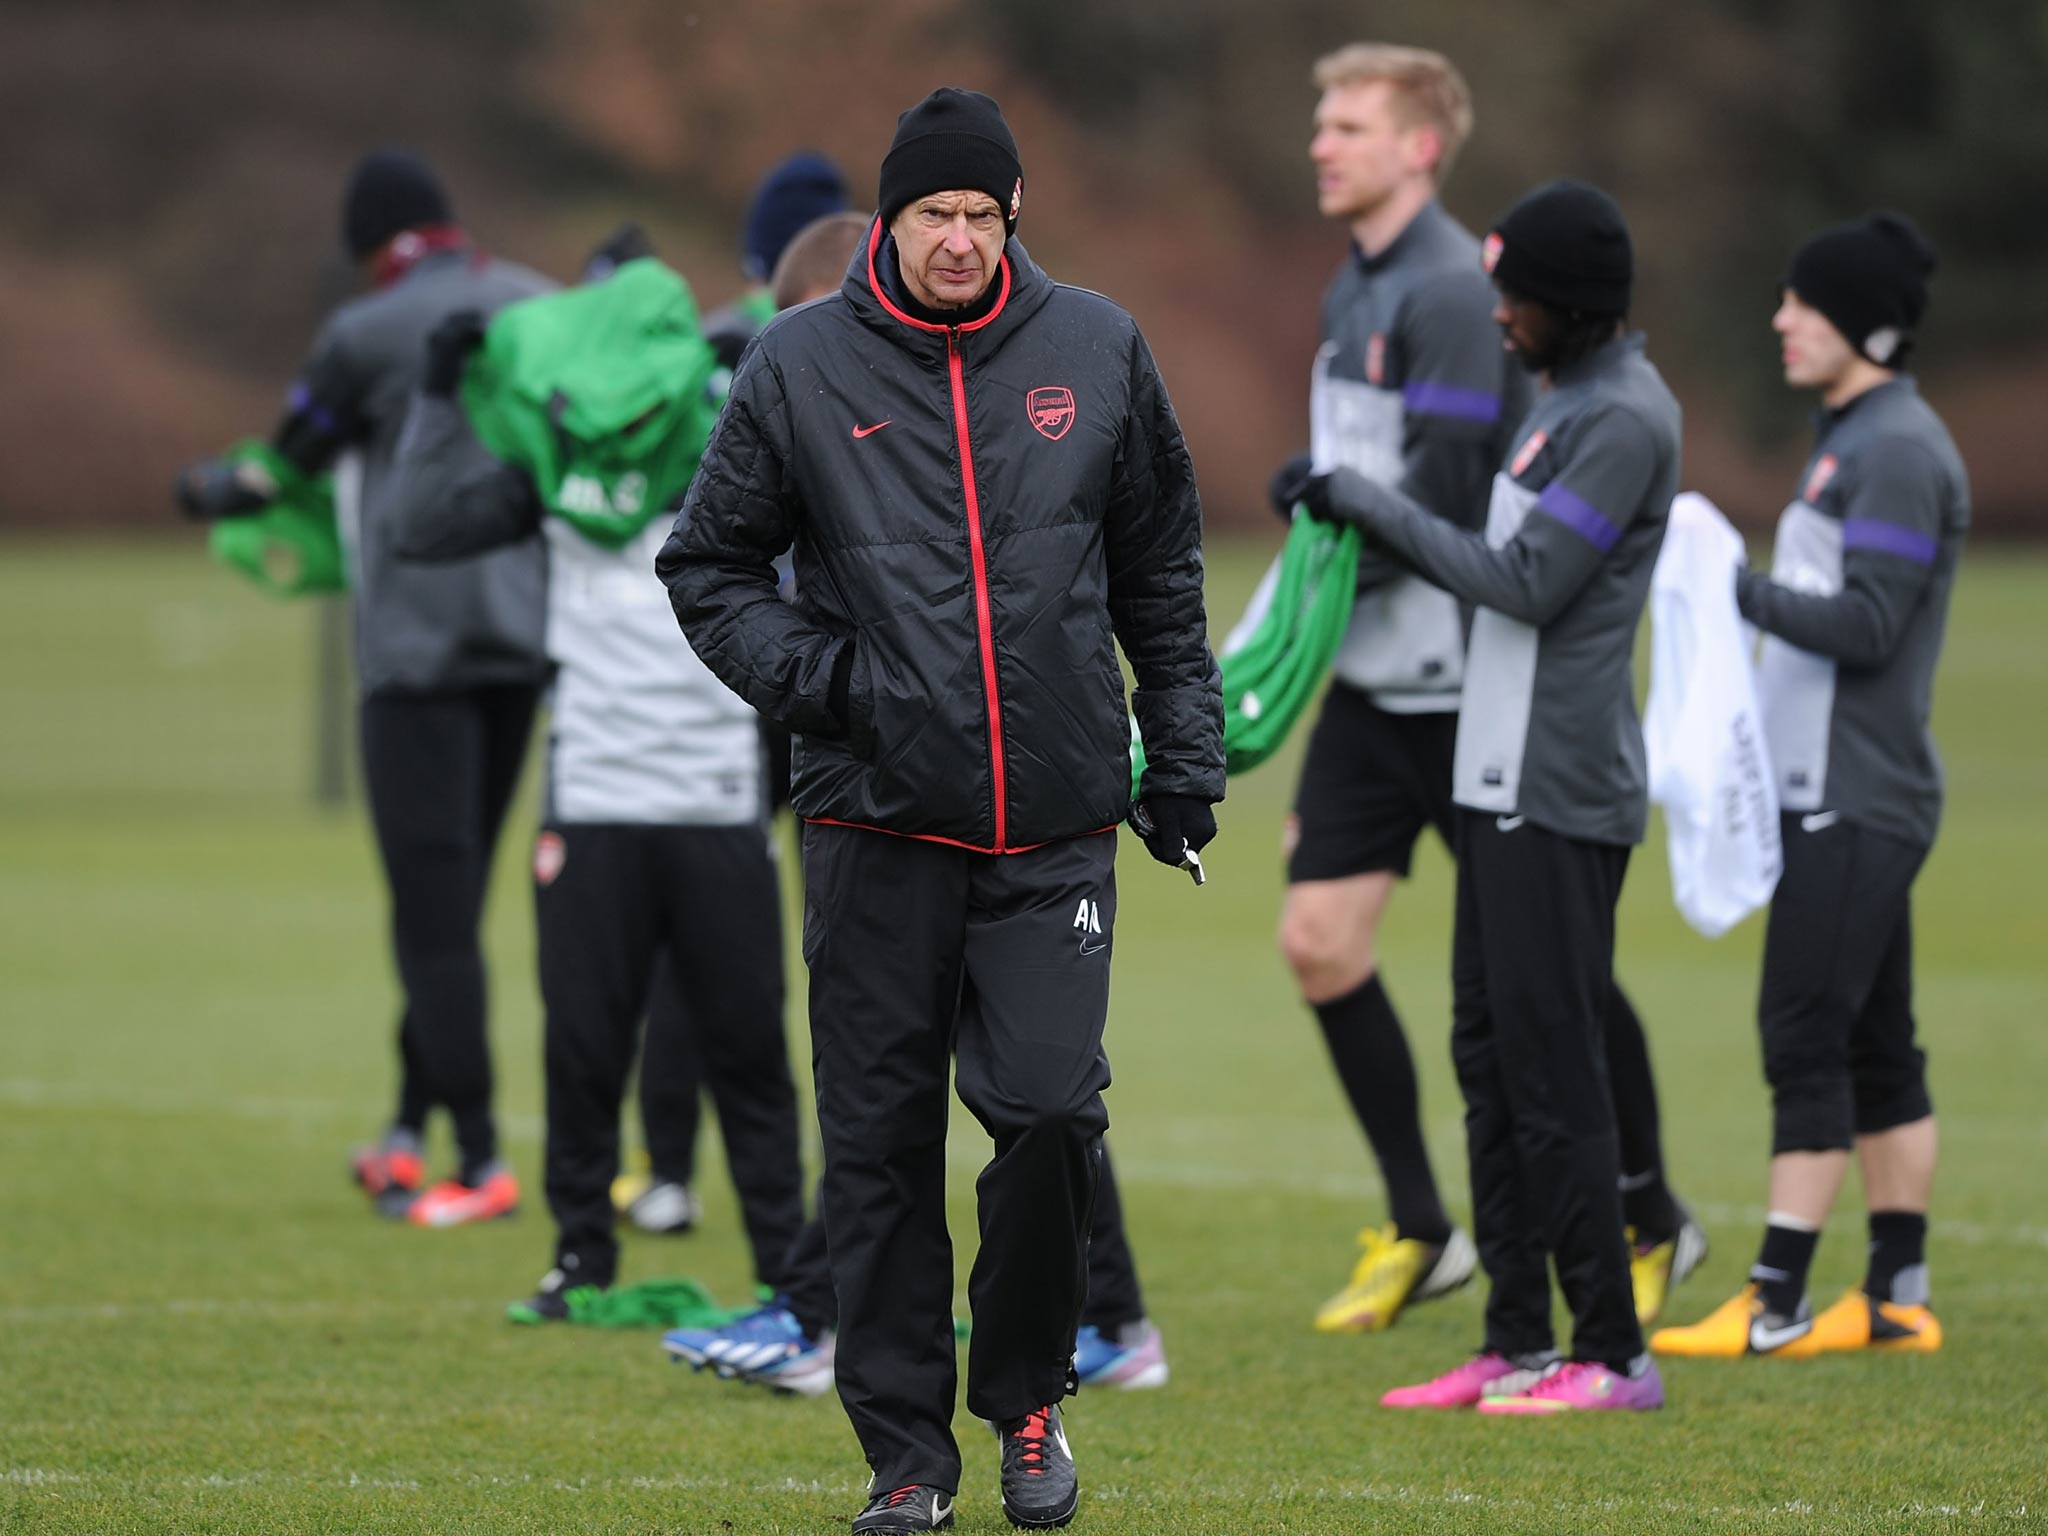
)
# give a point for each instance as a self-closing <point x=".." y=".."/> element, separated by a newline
<point x="439" y="769"/>
<point x="919" y="952"/>
<point x="1532" y="982"/>
<point x="671" y="1079"/>
<point x="1836" y="1004"/>
<point x="1114" y="1296"/>
<point x="708" y="896"/>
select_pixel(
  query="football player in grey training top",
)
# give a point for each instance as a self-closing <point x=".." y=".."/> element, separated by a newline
<point x="1549" y="781"/>
<point x="449" y="664"/>
<point x="1412" y="388"/>
<point x="1853" y="613"/>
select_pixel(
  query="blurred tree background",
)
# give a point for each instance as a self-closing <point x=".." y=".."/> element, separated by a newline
<point x="168" y="212"/>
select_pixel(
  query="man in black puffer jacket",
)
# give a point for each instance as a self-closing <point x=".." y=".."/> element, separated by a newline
<point x="986" y="491"/>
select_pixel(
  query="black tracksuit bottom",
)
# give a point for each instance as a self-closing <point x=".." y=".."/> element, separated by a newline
<point x="671" y="1067"/>
<point x="1114" y="1295"/>
<point x="618" y="895"/>
<point x="1532" y="975"/>
<point x="920" y="953"/>
<point x="439" y="769"/>
<point x="1836" y="1005"/>
<point x="671" y="1079"/>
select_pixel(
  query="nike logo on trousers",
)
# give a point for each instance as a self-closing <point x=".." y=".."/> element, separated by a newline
<point x="1819" y="821"/>
<point x="1509" y="823"/>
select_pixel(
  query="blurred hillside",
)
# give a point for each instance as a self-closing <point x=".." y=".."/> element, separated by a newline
<point x="168" y="215"/>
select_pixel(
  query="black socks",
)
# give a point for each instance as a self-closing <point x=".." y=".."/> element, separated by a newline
<point x="1372" y="1061"/>
<point x="1782" y="1263"/>
<point x="1898" y="1258"/>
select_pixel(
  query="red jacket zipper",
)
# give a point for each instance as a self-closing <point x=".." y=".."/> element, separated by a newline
<point x="981" y="604"/>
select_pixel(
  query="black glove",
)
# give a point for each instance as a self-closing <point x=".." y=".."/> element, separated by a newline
<point x="1285" y="488"/>
<point x="213" y="489"/>
<point x="629" y="242"/>
<point x="448" y="347"/>
<point x="1336" y="498"/>
<point x="1172" y="824"/>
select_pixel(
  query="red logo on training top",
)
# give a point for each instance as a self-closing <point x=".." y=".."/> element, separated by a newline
<point x="1528" y="453"/>
<point x="550" y="853"/>
<point x="1489" y="253"/>
<point x="1376" y="359"/>
<point x="1823" y="472"/>
<point x="1051" y="410"/>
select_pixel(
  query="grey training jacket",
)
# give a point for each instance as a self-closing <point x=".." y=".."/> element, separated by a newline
<point x="417" y="627"/>
<point x="1548" y="729"/>
<point x="1413" y="389"/>
<point x="1854" y="612"/>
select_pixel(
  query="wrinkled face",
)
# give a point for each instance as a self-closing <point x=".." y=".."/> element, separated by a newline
<point x="1815" y="354"/>
<point x="1528" y="329"/>
<point x="948" y="245"/>
<point x="1363" y="151"/>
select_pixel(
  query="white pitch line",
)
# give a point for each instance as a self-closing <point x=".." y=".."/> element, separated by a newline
<point x="1180" y="1497"/>
<point x="967" y="1152"/>
<point x="226" y="1306"/>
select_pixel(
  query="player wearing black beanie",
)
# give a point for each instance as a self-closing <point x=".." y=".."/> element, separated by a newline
<point x="1550" y="785"/>
<point x="1853" y="614"/>
<point x="1870" y="279"/>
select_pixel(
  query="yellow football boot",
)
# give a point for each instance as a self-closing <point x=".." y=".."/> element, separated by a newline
<point x="1860" y="1321"/>
<point x="631" y="1184"/>
<point x="1392" y="1271"/>
<point x="1655" y="1269"/>
<point x="1741" y="1326"/>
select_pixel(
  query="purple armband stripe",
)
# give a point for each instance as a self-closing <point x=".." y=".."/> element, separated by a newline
<point x="1579" y="515"/>
<point x="1449" y="400"/>
<point x="300" y="402"/>
<point x="1888" y="538"/>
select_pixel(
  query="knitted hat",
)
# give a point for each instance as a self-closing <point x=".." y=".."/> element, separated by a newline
<point x="1870" y="279"/>
<point x="389" y="192"/>
<point x="803" y="188"/>
<point x="952" y="141"/>
<point x="1566" y="245"/>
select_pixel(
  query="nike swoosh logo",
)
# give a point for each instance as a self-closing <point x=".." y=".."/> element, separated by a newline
<point x="1509" y="823"/>
<point x="1763" y="1340"/>
<point x="870" y="431"/>
<point x="1819" y="821"/>
<point x="1093" y="949"/>
<point x="940" y="1508"/>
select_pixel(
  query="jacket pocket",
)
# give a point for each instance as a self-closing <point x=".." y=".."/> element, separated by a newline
<point x="860" y="702"/>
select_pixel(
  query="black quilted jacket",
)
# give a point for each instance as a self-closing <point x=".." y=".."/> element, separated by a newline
<point x="981" y="513"/>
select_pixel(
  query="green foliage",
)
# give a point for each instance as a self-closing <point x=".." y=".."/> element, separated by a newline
<point x="203" y="1330"/>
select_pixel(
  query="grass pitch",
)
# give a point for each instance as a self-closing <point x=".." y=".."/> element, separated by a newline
<point x="202" y="1329"/>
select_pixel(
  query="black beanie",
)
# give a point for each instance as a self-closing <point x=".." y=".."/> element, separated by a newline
<point x="1565" y="245"/>
<point x="389" y="192"/>
<point x="802" y="189"/>
<point x="1870" y="279"/>
<point x="952" y="141"/>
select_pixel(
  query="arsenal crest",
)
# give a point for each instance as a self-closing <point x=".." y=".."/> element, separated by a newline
<point x="1051" y="410"/>
<point x="1489" y="253"/>
<point x="1823" y="471"/>
<point x="550" y="853"/>
<point x="1376" y="359"/>
<point x="1528" y="454"/>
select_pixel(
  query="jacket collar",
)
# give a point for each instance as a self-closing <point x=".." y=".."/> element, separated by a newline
<point x="414" y="246"/>
<point x="1608" y="355"/>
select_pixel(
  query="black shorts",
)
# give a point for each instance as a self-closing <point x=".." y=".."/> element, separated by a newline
<point x="1372" y="780"/>
<point x="1836" y="1006"/>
